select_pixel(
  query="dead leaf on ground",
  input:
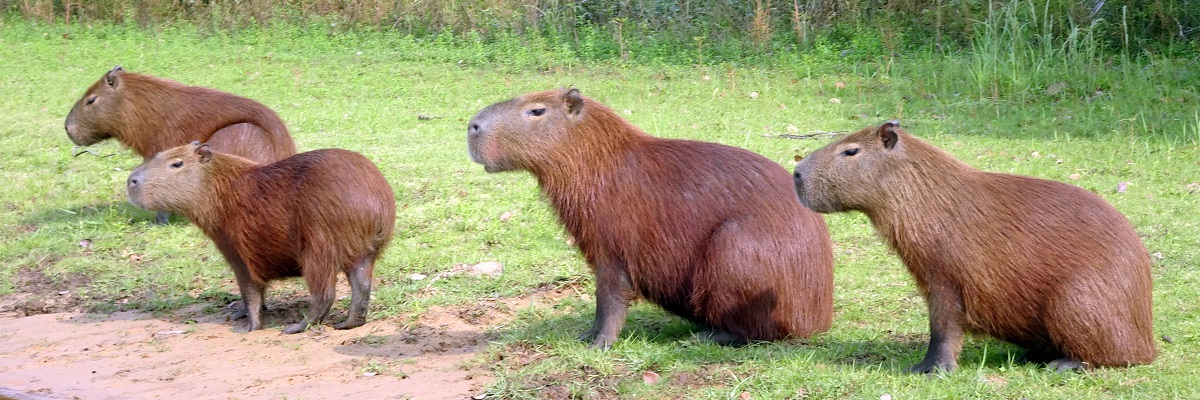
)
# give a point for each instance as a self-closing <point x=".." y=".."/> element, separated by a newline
<point x="650" y="377"/>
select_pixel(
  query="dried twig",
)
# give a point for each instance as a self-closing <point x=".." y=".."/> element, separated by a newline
<point x="810" y="135"/>
<point x="89" y="152"/>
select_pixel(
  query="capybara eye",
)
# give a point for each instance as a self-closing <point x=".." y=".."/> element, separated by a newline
<point x="850" y="152"/>
<point x="91" y="100"/>
<point x="537" y="112"/>
<point x="177" y="164"/>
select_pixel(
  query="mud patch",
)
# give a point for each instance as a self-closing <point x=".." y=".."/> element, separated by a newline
<point x="195" y="352"/>
<point x="36" y="293"/>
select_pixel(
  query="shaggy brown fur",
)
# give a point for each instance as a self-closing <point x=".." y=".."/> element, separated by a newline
<point x="709" y="232"/>
<point x="312" y="215"/>
<point x="151" y="114"/>
<point x="1041" y="264"/>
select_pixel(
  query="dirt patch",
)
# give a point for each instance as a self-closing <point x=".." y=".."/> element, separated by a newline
<point x="193" y="352"/>
<point x="36" y="293"/>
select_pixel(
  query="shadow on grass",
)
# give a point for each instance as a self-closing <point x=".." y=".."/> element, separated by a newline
<point x="649" y="329"/>
<point x="95" y="214"/>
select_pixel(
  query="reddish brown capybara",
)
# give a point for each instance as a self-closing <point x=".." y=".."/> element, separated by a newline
<point x="1041" y="264"/>
<point x="313" y="214"/>
<point x="706" y="231"/>
<point x="150" y="114"/>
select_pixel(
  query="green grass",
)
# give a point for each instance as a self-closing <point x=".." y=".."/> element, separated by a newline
<point x="364" y="91"/>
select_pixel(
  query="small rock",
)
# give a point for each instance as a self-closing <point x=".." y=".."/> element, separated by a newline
<point x="416" y="277"/>
<point x="490" y="268"/>
<point x="506" y="216"/>
<point x="1075" y="176"/>
<point x="835" y="100"/>
<point x="753" y="95"/>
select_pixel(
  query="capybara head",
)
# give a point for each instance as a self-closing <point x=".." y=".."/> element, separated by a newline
<point x="517" y="134"/>
<point x="173" y="180"/>
<point x="847" y="174"/>
<point x="96" y="114"/>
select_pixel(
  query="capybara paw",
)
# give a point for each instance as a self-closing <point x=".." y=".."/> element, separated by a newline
<point x="721" y="337"/>
<point x="162" y="218"/>
<point x="237" y="310"/>
<point x="588" y="335"/>
<point x="295" y="328"/>
<point x="243" y="328"/>
<point x="349" y="323"/>
<point x="1066" y="365"/>
<point x="931" y="367"/>
<point x="602" y="342"/>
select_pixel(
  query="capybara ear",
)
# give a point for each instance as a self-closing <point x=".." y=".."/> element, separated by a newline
<point x="204" y="152"/>
<point x="112" y="78"/>
<point x="574" y="101"/>
<point x="887" y="134"/>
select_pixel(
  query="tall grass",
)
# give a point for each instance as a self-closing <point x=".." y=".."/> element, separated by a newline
<point x="731" y="30"/>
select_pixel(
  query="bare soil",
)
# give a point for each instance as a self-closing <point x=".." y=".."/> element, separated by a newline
<point x="50" y="349"/>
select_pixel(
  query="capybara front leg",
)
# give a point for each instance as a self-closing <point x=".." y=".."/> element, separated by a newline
<point x="162" y="218"/>
<point x="945" y="333"/>
<point x="252" y="295"/>
<point x="614" y="292"/>
<point x="360" y="296"/>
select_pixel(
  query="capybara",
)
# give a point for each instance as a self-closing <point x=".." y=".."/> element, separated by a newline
<point x="312" y="215"/>
<point x="150" y="114"/>
<point x="706" y="231"/>
<point x="1041" y="264"/>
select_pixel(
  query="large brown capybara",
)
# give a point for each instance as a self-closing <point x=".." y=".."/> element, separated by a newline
<point x="1041" y="264"/>
<point x="150" y="114"/>
<point x="706" y="231"/>
<point x="313" y="214"/>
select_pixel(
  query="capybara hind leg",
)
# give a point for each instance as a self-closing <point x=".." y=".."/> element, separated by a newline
<point x="614" y="292"/>
<point x="945" y="333"/>
<point x="1066" y="365"/>
<point x="1100" y="327"/>
<point x="321" y="289"/>
<point x="360" y="296"/>
<point x="722" y="337"/>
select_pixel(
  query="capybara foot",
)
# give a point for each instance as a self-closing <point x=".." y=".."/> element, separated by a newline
<point x="243" y="328"/>
<point x="722" y="337"/>
<point x="1066" y="365"/>
<point x="295" y="328"/>
<point x="162" y="218"/>
<point x="932" y="366"/>
<point x="602" y="342"/>
<point x="237" y="310"/>
<point x="350" y="323"/>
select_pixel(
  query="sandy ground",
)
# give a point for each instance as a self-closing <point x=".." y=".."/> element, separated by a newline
<point x="194" y="354"/>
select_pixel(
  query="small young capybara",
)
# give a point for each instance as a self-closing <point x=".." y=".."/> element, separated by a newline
<point x="313" y="214"/>
<point x="706" y="231"/>
<point x="1041" y="264"/>
<point x="150" y="114"/>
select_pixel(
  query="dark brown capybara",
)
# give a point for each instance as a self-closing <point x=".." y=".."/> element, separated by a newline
<point x="313" y="214"/>
<point x="150" y="114"/>
<point x="706" y="231"/>
<point x="1041" y="264"/>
